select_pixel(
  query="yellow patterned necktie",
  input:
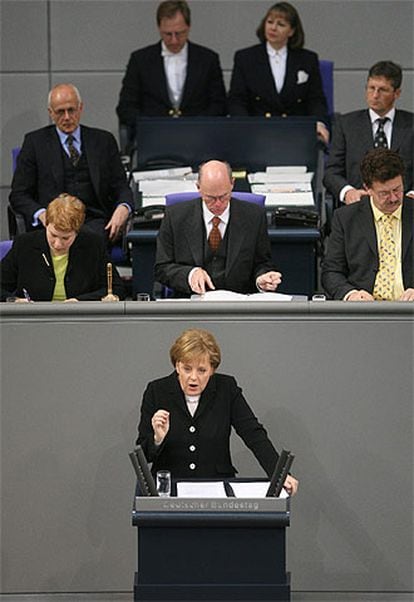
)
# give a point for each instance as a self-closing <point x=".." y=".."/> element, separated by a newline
<point x="384" y="282"/>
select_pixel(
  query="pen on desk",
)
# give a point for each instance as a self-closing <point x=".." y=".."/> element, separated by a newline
<point x="46" y="260"/>
<point x="26" y="295"/>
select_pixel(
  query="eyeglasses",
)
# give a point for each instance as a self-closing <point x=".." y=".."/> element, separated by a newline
<point x="62" y="112"/>
<point x="386" y="195"/>
<point x="218" y="197"/>
<point x="174" y="34"/>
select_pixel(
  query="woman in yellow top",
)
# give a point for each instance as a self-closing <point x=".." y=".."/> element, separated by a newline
<point x="63" y="262"/>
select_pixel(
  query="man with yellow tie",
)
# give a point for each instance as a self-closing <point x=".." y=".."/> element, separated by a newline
<point x="370" y="249"/>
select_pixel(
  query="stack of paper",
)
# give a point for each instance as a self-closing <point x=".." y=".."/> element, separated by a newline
<point x="154" y="191"/>
<point x="284" y="185"/>
<point x="157" y="174"/>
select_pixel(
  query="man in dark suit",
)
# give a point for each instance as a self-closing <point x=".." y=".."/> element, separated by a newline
<point x="173" y="77"/>
<point x="356" y="133"/>
<point x="216" y="241"/>
<point x="370" y="250"/>
<point x="79" y="160"/>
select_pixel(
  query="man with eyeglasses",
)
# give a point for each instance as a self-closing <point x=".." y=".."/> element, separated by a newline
<point x="381" y="125"/>
<point x="76" y="159"/>
<point x="174" y="77"/>
<point x="370" y="248"/>
<point x="216" y="242"/>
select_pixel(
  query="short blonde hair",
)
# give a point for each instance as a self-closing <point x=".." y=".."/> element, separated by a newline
<point x="66" y="213"/>
<point x="193" y="343"/>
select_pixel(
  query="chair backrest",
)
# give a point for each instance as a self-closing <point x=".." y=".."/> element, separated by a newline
<point x="15" y="154"/>
<point x="5" y="246"/>
<point x="326" y="69"/>
<point x="251" y="197"/>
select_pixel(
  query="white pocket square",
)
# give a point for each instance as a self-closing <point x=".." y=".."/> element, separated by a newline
<point x="302" y="77"/>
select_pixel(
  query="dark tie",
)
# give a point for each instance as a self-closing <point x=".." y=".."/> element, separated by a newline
<point x="73" y="153"/>
<point x="214" y="238"/>
<point x="380" y="139"/>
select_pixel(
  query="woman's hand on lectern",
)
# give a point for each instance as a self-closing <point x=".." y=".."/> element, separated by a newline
<point x="161" y="424"/>
<point x="291" y="484"/>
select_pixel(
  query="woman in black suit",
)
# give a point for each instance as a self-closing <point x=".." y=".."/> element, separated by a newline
<point x="61" y="262"/>
<point x="186" y="417"/>
<point x="278" y="76"/>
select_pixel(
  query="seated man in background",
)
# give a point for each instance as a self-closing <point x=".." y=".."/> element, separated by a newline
<point x="370" y="248"/>
<point x="67" y="156"/>
<point x="61" y="262"/>
<point x="215" y="242"/>
<point x="381" y="125"/>
<point x="173" y="77"/>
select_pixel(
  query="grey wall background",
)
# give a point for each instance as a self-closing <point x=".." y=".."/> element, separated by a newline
<point x="72" y="382"/>
<point x="88" y="42"/>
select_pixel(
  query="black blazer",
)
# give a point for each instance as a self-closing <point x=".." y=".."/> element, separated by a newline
<point x="39" y="175"/>
<point x="144" y="89"/>
<point x="180" y="246"/>
<point x="25" y="267"/>
<point x="352" y="259"/>
<point x="253" y="90"/>
<point x="199" y="446"/>
<point x="352" y="138"/>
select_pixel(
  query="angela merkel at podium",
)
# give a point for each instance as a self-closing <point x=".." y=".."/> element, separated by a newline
<point x="187" y="417"/>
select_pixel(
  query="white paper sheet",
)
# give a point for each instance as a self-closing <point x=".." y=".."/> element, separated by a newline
<point x="256" y="489"/>
<point x="289" y="199"/>
<point x="286" y="169"/>
<point x="201" y="489"/>
<point x="223" y="295"/>
<point x="163" y="187"/>
<point x="261" y="177"/>
<point x="155" y="174"/>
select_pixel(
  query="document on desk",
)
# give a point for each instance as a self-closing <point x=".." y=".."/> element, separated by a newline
<point x="223" y="295"/>
<point x="255" y="489"/>
<point x="286" y="169"/>
<point x="262" y="177"/>
<point x="293" y="198"/>
<point x="157" y="174"/>
<point x="201" y="489"/>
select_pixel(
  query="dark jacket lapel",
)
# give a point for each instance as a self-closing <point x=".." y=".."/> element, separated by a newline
<point x="54" y="156"/>
<point x="237" y="231"/>
<point x="407" y="228"/>
<point x="367" y="225"/>
<point x="194" y="231"/>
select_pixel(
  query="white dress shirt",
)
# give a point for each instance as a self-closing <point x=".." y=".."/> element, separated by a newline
<point x="175" y="65"/>
<point x="277" y="60"/>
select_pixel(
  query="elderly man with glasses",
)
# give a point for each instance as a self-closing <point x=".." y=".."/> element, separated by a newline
<point x="216" y="242"/>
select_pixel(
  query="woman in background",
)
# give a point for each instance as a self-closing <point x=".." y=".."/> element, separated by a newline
<point x="61" y="262"/>
<point x="278" y="76"/>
